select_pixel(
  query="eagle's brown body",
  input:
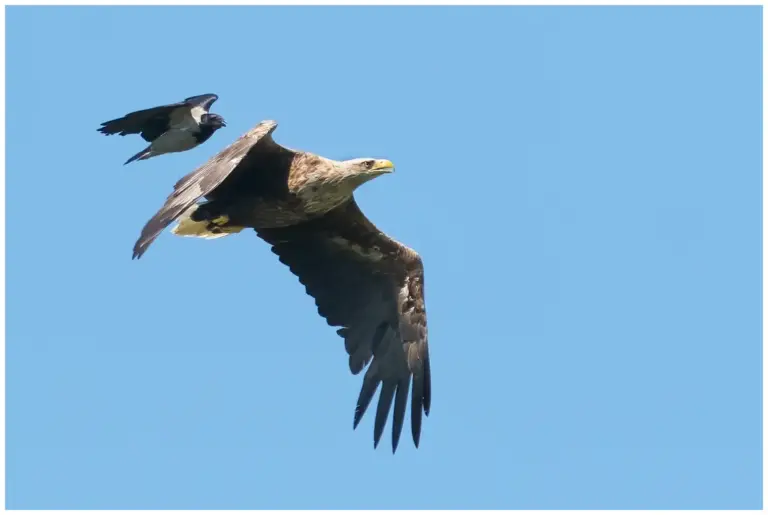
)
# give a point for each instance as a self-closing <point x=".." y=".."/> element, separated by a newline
<point x="362" y="280"/>
<point x="293" y="188"/>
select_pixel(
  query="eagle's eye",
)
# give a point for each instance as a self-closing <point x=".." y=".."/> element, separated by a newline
<point x="368" y="164"/>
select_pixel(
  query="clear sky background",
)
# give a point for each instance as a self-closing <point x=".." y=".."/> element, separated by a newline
<point x="584" y="185"/>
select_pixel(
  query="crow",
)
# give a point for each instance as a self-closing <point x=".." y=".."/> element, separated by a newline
<point x="169" y="128"/>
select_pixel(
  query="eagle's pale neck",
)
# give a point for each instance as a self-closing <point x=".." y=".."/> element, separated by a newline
<point x="324" y="184"/>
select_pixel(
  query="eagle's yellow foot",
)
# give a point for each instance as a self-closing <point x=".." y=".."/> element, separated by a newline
<point x="196" y="223"/>
<point x="219" y="225"/>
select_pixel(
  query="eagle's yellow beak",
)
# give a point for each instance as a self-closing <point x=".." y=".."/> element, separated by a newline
<point x="383" y="166"/>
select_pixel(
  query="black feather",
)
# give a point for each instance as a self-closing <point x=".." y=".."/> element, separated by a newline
<point x="401" y="400"/>
<point x="370" y="385"/>
<point x="382" y="410"/>
<point x="416" y="407"/>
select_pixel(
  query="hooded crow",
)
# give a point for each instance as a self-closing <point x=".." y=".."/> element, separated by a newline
<point x="170" y="128"/>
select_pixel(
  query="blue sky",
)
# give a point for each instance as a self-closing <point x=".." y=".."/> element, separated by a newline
<point x="584" y="185"/>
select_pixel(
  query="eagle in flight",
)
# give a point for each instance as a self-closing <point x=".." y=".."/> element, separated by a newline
<point x="170" y="128"/>
<point x="365" y="283"/>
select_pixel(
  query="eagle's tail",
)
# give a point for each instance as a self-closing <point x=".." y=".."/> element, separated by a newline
<point x="204" y="226"/>
<point x="144" y="154"/>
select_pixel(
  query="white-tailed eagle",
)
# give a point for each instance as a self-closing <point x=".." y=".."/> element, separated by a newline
<point x="364" y="282"/>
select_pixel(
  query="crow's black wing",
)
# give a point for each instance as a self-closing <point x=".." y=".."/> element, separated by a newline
<point x="153" y="122"/>
<point x="193" y="109"/>
<point x="204" y="101"/>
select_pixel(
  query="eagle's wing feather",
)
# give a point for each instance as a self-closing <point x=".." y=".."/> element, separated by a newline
<point x="195" y="185"/>
<point x="373" y="287"/>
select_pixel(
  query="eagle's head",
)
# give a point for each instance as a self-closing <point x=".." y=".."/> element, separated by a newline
<point x="361" y="170"/>
<point x="212" y="120"/>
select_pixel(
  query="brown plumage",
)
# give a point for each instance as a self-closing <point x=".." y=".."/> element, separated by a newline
<point x="362" y="280"/>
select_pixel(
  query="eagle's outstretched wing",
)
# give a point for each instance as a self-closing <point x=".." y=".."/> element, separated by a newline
<point x="153" y="122"/>
<point x="373" y="287"/>
<point x="190" y="188"/>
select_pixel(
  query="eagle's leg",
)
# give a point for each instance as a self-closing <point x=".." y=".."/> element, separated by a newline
<point x="206" y="220"/>
<point x="208" y="211"/>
